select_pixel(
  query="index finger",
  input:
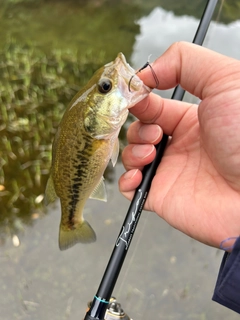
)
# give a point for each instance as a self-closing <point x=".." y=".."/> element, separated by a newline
<point x="194" y="67"/>
<point x="198" y="70"/>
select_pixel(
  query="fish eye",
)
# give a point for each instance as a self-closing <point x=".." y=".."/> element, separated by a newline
<point x="104" y="85"/>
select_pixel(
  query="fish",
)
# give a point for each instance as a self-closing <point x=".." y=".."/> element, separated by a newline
<point x="84" y="143"/>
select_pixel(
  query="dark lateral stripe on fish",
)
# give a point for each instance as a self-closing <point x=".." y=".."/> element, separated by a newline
<point x="80" y="164"/>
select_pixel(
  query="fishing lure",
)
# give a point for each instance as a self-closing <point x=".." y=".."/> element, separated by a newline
<point x="147" y="64"/>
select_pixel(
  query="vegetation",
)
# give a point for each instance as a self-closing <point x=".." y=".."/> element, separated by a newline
<point x="34" y="91"/>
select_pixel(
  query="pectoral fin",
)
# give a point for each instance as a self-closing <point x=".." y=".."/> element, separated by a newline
<point x="50" y="193"/>
<point x="83" y="233"/>
<point x="115" y="153"/>
<point x="99" y="192"/>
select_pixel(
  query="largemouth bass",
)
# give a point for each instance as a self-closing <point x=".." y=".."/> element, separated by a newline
<point x="86" y="139"/>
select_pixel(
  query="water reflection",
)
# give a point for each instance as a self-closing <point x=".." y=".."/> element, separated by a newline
<point x="37" y="81"/>
<point x="161" y="28"/>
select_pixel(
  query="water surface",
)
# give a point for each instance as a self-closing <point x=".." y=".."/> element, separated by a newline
<point x="48" y="50"/>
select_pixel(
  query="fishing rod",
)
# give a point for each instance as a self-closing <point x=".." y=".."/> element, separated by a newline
<point x="101" y="300"/>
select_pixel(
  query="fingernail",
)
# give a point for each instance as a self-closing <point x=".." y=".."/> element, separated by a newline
<point x="150" y="133"/>
<point x="142" y="150"/>
<point x="130" y="174"/>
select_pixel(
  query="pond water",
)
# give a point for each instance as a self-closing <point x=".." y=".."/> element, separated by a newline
<point x="48" y="50"/>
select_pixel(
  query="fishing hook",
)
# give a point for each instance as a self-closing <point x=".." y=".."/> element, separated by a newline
<point x="147" y="64"/>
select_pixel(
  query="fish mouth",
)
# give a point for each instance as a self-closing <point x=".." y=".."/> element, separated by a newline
<point x="123" y="60"/>
<point x="129" y="75"/>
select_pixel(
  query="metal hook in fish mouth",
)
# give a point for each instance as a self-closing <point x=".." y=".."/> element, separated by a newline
<point x="147" y="64"/>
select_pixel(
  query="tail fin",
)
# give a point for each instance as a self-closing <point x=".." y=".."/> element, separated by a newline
<point x="82" y="233"/>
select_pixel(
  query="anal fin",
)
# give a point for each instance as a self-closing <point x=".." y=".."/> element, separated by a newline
<point x="99" y="192"/>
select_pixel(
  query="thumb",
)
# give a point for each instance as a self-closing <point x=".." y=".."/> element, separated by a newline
<point x="193" y="67"/>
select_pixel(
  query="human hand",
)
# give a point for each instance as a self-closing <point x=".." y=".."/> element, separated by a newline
<point x="196" y="188"/>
